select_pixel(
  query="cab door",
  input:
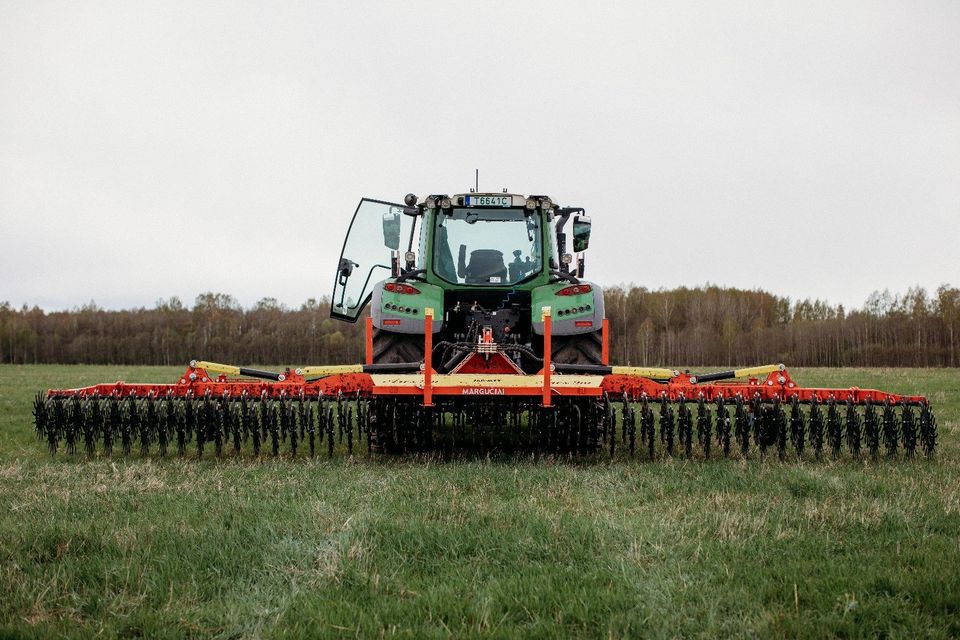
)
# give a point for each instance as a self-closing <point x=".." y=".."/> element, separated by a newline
<point x="375" y="231"/>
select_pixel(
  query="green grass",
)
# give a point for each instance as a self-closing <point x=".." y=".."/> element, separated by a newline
<point x="247" y="548"/>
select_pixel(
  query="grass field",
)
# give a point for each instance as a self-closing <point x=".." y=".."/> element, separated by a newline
<point x="149" y="547"/>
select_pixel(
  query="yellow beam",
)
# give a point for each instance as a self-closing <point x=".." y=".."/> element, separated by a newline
<point x="646" y="372"/>
<point x="758" y="371"/>
<point x="331" y="370"/>
<point x="226" y="369"/>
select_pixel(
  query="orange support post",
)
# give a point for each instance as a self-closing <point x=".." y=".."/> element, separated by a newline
<point x="605" y="342"/>
<point x="428" y="357"/>
<point x="547" y="329"/>
<point x="369" y="341"/>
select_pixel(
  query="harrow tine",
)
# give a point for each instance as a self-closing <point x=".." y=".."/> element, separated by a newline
<point x="203" y="415"/>
<point x="293" y="432"/>
<point x="685" y="426"/>
<point x="40" y="415"/>
<point x="221" y="423"/>
<point x="667" y="424"/>
<point x="350" y="430"/>
<point x="871" y="429"/>
<point x="647" y="425"/>
<point x="74" y="424"/>
<point x="890" y="429"/>
<point x="742" y="426"/>
<point x="764" y="428"/>
<point x="329" y="424"/>
<point x="703" y="426"/>
<point x="273" y="427"/>
<point x="249" y="416"/>
<point x="623" y="413"/>
<point x="610" y="418"/>
<point x="58" y="428"/>
<point x="89" y="425"/>
<point x="111" y="423"/>
<point x="816" y="428"/>
<point x="311" y="427"/>
<point x="759" y="424"/>
<point x="723" y="426"/>
<point x="797" y="426"/>
<point x="236" y="423"/>
<point x="169" y="422"/>
<point x="908" y="430"/>
<point x="129" y="424"/>
<point x="928" y="430"/>
<point x="189" y="424"/>
<point x="780" y="422"/>
<point x="301" y="418"/>
<point x="834" y="427"/>
<point x="853" y="429"/>
<point x="148" y="425"/>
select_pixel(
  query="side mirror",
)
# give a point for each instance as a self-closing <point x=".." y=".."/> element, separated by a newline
<point x="391" y="228"/>
<point x="581" y="233"/>
<point x="345" y="270"/>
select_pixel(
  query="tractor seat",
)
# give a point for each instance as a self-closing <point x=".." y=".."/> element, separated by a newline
<point x="485" y="264"/>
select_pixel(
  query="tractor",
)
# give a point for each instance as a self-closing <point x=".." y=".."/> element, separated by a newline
<point x="488" y="263"/>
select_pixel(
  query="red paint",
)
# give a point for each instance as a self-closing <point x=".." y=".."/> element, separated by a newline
<point x="368" y="340"/>
<point x="605" y="342"/>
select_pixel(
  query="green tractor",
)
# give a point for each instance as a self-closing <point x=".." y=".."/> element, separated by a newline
<point x="486" y="263"/>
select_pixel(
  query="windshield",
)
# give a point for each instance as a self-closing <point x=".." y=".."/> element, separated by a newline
<point x="487" y="246"/>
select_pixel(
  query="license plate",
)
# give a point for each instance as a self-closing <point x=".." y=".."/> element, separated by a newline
<point x="489" y="201"/>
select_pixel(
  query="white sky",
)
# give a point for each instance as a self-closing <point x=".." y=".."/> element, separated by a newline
<point x="158" y="149"/>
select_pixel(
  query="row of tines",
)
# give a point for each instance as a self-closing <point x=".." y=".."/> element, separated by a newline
<point x="646" y="426"/>
<point x="217" y="424"/>
<point x="789" y="428"/>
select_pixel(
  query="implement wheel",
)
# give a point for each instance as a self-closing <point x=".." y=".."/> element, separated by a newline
<point x="391" y="347"/>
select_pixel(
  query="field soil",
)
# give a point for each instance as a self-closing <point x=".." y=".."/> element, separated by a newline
<point x="418" y="547"/>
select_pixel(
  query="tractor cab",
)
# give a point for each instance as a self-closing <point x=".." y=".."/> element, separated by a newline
<point x="487" y="240"/>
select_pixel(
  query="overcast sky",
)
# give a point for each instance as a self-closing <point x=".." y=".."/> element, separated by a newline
<point x="157" y="149"/>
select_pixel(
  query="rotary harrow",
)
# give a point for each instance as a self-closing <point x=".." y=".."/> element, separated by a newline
<point x="517" y="361"/>
<point x="587" y="410"/>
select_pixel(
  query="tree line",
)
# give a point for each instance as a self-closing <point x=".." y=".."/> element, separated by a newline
<point x="687" y="326"/>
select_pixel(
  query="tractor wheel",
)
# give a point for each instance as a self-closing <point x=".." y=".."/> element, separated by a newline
<point x="584" y="348"/>
<point x="391" y="347"/>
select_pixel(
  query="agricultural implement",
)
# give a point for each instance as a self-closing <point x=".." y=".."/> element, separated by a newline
<point x="477" y="355"/>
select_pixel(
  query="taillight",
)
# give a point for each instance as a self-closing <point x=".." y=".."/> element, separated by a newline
<point x="576" y="289"/>
<point x="399" y="287"/>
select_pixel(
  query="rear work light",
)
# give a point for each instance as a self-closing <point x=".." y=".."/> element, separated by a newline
<point x="576" y="289"/>
<point x="398" y="287"/>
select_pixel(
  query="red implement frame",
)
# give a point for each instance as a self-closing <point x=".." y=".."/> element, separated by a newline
<point x="493" y="378"/>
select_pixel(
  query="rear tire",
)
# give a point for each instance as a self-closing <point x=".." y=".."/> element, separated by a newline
<point x="389" y="347"/>
<point x="584" y="348"/>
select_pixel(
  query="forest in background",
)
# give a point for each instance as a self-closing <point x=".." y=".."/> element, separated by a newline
<point x="686" y="326"/>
